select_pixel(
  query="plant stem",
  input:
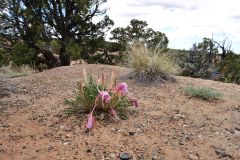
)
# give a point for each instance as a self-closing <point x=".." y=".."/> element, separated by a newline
<point x="95" y="104"/>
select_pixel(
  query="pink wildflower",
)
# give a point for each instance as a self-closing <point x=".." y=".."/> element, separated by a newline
<point x="135" y="103"/>
<point x="122" y="88"/>
<point x="90" y="121"/>
<point x="105" y="96"/>
<point x="114" y="114"/>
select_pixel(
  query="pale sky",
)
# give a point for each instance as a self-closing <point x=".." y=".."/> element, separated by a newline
<point x="183" y="21"/>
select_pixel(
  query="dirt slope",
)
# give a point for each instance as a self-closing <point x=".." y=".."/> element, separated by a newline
<point x="167" y="126"/>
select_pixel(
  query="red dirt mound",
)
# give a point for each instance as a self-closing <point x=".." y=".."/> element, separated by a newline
<point x="167" y="126"/>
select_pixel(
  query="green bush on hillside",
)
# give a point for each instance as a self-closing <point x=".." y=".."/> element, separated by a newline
<point x="22" y="55"/>
<point x="230" y="68"/>
<point x="74" y="50"/>
<point x="55" y="46"/>
<point x="202" y="93"/>
<point x="4" y="57"/>
<point x="195" y="64"/>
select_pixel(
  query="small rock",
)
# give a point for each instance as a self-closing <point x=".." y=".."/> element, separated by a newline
<point x="4" y="125"/>
<point x="89" y="150"/>
<point x="200" y="125"/>
<point x="131" y="133"/>
<point x="155" y="154"/>
<point x="178" y="116"/>
<point x="155" y="157"/>
<point x="2" y="150"/>
<point x="125" y="156"/>
<point x="50" y="147"/>
<point x="112" y="156"/>
<point x="181" y="142"/>
<point x="237" y="133"/>
<point x="237" y="128"/>
<point x="139" y="131"/>
<point x="193" y="157"/>
<point x="65" y="143"/>
<point x="221" y="152"/>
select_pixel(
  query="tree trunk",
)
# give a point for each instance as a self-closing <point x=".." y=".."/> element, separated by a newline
<point x="108" y="57"/>
<point x="64" y="57"/>
<point x="223" y="54"/>
<point x="51" y="60"/>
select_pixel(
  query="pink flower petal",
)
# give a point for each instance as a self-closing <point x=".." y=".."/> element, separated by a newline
<point x="105" y="96"/>
<point x="122" y="88"/>
<point x="90" y="121"/>
<point x="136" y="103"/>
<point x="113" y="113"/>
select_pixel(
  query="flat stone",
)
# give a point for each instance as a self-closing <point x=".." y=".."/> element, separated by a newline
<point x="178" y="116"/>
<point x="155" y="157"/>
<point x="125" y="156"/>
<point x="237" y="133"/>
<point x="65" y="143"/>
<point x="112" y="156"/>
<point x="193" y="157"/>
<point x="221" y="152"/>
<point x="237" y="128"/>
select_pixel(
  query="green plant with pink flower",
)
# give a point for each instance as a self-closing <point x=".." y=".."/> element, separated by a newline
<point x="101" y="96"/>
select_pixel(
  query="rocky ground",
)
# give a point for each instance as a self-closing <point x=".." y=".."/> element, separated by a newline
<point x="167" y="126"/>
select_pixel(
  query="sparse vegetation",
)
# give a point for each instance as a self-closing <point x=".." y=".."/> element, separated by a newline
<point x="202" y="93"/>
<point x="11" y="71"/>
<point x="151" y="64"/>
<point x="65" y="113"/>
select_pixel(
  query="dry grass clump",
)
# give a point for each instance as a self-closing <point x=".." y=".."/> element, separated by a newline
<point x="11" y="71"/>
<point x="151" y="64"/>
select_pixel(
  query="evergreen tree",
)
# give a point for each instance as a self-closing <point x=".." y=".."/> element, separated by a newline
<point x="67" y="21"/>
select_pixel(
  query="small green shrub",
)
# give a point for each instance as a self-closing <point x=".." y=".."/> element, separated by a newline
<point x="151" y="64"/>
<point x="22" y="55"/>
<point x="102" y="96"/>
<point x="4" y="57"/>
<point x="74" y="50"/>
<point x="202" y="92"/>
<point x="55" y="46"/>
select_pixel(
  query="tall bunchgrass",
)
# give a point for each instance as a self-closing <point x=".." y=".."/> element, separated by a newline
<point x="151" y="64"/>
<point x="202" y="93"/>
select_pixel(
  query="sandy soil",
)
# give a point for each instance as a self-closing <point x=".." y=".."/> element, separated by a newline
<point x="167" y="126"/>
